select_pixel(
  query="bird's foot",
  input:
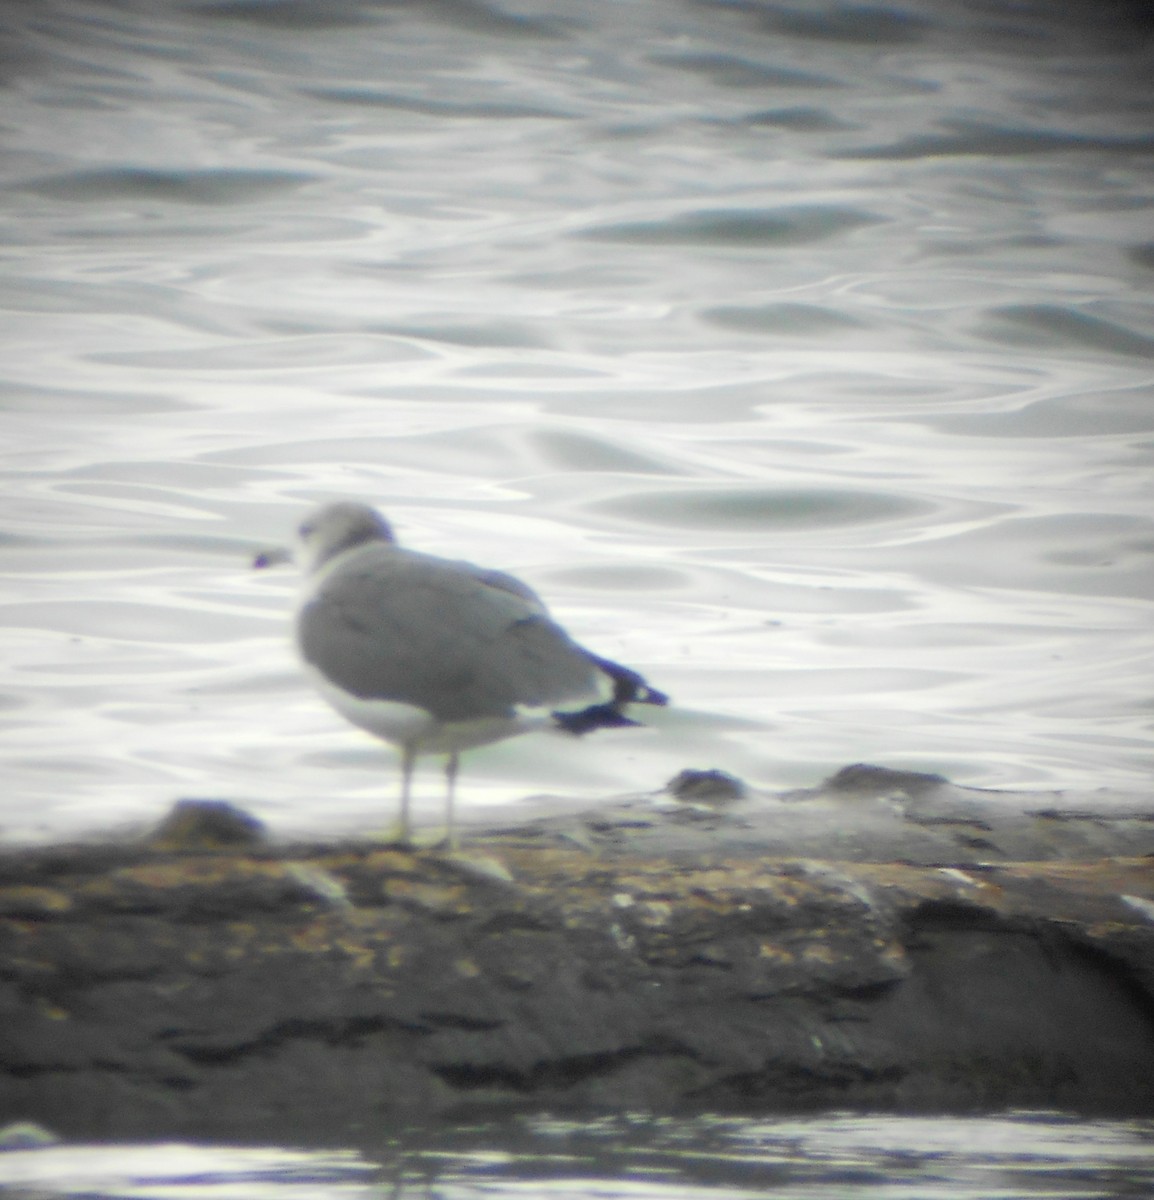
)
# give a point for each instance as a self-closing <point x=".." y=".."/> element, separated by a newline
<point x="399" y="835"/>
<point x="403" y="837"/>
<point x="447" y="843"/>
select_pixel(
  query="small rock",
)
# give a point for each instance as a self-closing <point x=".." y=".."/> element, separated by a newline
<point x="199" y="825"/>
<point x="705" y="787"/>
<point x="26" y="1135"/>
<point x="866" y="778"/>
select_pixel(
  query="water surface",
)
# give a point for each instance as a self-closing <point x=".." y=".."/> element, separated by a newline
<point x="1012" y="1157"/>
<point x="800" y="355"/>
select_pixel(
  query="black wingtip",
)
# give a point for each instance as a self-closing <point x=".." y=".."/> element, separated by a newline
<point x="596" y="716"/>
<point x="650" y="695"/>
<point x="628" y="686"/>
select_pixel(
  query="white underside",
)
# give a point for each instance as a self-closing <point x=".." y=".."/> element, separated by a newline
<point x="416" y="728"/>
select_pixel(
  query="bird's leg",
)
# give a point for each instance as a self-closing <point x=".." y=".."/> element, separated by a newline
<point x="404" y="822"/>
<point x="451" y="800"/>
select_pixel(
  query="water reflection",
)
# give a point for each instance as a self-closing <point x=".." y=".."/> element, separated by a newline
<point x="801" y="358"/>
<point x="819" y="1158"/>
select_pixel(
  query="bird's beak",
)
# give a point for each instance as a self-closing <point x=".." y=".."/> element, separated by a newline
<point x="274" y="556"/>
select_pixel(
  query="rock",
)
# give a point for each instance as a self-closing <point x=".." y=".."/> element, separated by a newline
<point x="705" y="787"/>
<point x="951" y="950"/>
<point x="196" y="825"/>
<point x="26" y="1135"/>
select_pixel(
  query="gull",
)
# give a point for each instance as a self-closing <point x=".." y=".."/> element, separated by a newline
<point x="436" y="655"/>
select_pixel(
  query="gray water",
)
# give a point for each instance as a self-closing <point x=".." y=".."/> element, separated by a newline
<point x="800" y="355"/>
<point x="839" y="1157"/>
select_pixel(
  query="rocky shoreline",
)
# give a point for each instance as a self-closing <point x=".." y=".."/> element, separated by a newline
<point x="885" y="941"/>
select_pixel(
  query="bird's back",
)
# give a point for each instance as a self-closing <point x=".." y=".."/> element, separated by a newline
<point x="459" y="641"/>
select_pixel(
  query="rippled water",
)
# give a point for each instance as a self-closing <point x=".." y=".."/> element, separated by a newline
<point x="1019" y="1157"/>
<point x="800" y="355"/>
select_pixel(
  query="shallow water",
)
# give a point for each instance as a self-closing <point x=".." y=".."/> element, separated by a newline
<point x="1017" y="1157"/>
<point x="801" y="357"/>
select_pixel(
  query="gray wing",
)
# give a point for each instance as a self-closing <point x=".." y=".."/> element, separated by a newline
<point x="459" y="641"/>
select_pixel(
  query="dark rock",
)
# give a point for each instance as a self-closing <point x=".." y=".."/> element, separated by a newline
<point x="26" y="1135"/>
<point x="705" y="787"/>
<point x="877" y="781"/>
<point x="195" y="825"/>
<point x="324" y="992"/>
